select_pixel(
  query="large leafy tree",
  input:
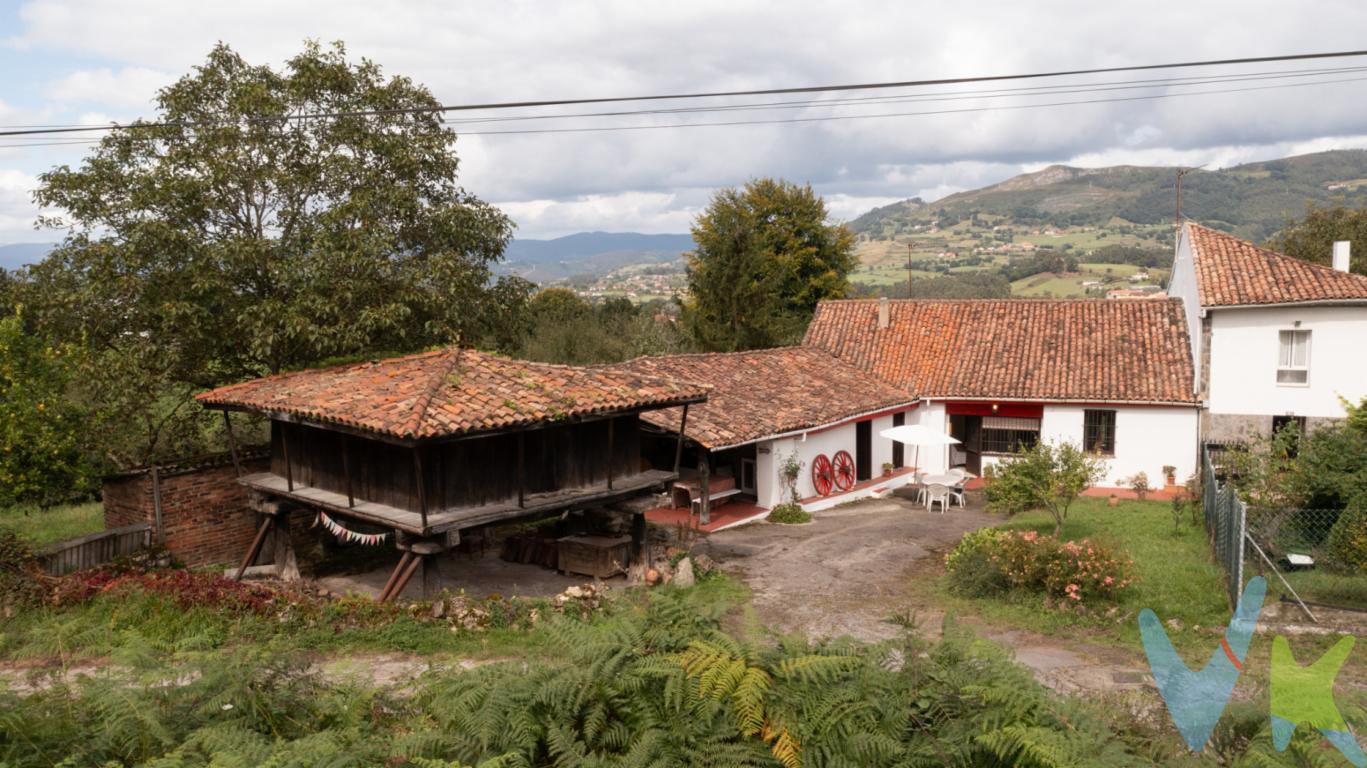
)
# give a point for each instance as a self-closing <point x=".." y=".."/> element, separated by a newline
<point x="765" y="256"/>
<point x="264" y="220"/>
<point x="1312" y="238"/>
<point x="42" y="453"/>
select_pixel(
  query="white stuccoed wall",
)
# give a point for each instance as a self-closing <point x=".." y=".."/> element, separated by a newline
<point x="933" y="459"/>
<point x="1243" y="360"/>
<point x="808" y="447"/>
<point x="1182" y="285"/>
<point x="1146" y="439"/>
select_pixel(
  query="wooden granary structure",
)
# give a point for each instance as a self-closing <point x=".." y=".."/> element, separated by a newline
<point x="431" y="444"/>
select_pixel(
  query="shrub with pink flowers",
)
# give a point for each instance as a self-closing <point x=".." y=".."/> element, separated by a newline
<point x="1076" y="572"/>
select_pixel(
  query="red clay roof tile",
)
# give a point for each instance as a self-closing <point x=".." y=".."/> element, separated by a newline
<point x="1071" y="349"/>
<point x="1231" y="272"/>
<point x="450" y="392"/>
<point x="766" y="392"/>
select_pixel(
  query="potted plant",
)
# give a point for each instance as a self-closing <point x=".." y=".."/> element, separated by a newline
<point x="1114" y="500"/>
<point x="1139" y="484"/>
<point x="989" y="472"/>
<point x="1170" y="472"/>
<point x="887" y="469"/>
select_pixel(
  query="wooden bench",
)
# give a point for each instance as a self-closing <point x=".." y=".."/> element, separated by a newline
<point x="715" y="496"/>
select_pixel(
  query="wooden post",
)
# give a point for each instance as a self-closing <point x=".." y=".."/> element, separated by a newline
<point x="638" y="540"/>
<point x="705" y="471"/>
<point x="678" y="445"/>
<point x="156" y="505"/>
<point x="521" y="477"/>
<point x="403" y="578"/>
<point x="346" y="470"/>
<point x="419" y="481"/>
<point x="285" y="448"/>
<point x="611" y="432"/>
<point x="255" y="547"/>
<point x="394" y="577"/>
<point x="232" y="442"/>
<point x="286" y="564"/>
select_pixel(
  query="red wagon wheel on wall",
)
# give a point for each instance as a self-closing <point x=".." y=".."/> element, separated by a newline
<point x="823" y="476"/>
<point x="844" y="470"/>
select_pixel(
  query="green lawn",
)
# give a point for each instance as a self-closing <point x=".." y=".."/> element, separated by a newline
<point x="56" y="524"/>
<point x="1174" y="576"/>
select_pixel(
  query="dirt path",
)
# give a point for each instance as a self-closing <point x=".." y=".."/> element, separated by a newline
<point x="853" y="567"/>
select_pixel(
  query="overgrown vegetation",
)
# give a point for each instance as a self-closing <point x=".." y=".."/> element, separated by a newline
<point x="655" y="683"/>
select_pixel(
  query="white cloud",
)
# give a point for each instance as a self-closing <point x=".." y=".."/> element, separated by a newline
<point x="129" y="88"/>
<point x="653" y="180"/>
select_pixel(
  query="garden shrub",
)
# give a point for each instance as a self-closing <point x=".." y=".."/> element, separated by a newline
<point x="789" y="513"/>
<point x="20" y="579"/>
<point x="1346" y="547"/>
<point x="972" y="572"/>
<point x="995" y="562"/>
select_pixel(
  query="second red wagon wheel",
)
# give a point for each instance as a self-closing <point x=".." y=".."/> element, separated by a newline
<point x="844" y="470"/>
<point x="823" y="476"/>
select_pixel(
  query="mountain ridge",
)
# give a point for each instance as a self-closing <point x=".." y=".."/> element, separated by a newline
<point x="1253" y="200"/>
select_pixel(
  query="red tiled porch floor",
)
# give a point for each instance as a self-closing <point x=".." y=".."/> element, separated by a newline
<point x="727" y="515"/>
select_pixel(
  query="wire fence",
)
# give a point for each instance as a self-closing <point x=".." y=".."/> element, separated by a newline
<point x="1225" y="524"/>
<point x="1286" y="545"/>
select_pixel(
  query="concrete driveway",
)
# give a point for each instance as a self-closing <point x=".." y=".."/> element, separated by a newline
<point x="844" y="572"/>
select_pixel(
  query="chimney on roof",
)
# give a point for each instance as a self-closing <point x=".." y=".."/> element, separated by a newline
<point x="1341" y="254"/>
<point x="883" y="313"/>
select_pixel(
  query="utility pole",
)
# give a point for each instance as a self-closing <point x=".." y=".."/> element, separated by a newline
<point x="908" y="270"/>
<point x="1177" y="211"/>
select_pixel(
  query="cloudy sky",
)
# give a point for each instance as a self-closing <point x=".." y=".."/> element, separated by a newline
<point x="87" y="61"/>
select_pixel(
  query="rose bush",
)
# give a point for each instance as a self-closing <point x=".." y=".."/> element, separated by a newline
<point x="1079" y="572"/>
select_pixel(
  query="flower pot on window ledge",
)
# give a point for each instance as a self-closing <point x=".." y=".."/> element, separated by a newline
<point x="887" y="470"/>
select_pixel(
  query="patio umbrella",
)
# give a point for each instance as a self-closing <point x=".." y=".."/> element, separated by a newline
<point x="916" y="436"/>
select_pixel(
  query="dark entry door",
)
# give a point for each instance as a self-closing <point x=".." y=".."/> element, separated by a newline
<point x="863" y="450"/>
<point x="973" y="444"/>
<point x="898" y="457"/>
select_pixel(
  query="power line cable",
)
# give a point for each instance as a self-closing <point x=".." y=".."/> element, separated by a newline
<point x="728" y="94"/>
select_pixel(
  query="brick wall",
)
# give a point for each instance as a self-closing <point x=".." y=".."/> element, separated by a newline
<point x="205" y="515"/>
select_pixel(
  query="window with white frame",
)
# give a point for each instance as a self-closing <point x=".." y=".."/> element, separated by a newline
<point x="1293" y="357"/>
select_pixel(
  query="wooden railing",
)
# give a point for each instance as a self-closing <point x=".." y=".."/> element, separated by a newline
<point x="95" y="549"/>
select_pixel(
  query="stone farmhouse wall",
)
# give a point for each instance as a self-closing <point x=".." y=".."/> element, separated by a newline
<point x="205" y="516"/>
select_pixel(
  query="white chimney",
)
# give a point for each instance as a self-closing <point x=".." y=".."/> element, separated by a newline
<point x="1341" y="251"/>
<point x="883" y="313"/>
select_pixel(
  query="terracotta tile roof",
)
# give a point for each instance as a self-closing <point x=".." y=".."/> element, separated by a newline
<point x="1070" y="349"/>
<point x="1231" y="272"/>
<point x="766" y="392"/>
<point x="450" y="392"/>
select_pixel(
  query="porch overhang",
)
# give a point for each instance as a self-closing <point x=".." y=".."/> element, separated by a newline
<point x="456" y="518"/>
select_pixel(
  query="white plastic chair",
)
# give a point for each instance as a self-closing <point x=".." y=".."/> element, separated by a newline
<point x="937" y="493"/>
<point x="957" y="490"/>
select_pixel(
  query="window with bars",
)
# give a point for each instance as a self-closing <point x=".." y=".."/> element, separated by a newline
<point x="1001" y="434"/>
<point x="1293" y="357"/>
<point x="1098" y="431"/>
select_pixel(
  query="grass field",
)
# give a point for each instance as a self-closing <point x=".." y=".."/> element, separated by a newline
<point x="57" y="524"/>
<point x="1173" y="571"/>
<point x="1175" y="577"/>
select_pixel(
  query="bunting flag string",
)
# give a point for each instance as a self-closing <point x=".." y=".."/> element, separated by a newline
<point x="346" y="534"/>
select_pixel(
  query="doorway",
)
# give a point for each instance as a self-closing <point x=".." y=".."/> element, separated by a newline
<point x="969" y="452"/>
<point x="863" y="450"/>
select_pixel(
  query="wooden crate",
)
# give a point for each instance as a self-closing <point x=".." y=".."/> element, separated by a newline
<point x="599" y="556"/>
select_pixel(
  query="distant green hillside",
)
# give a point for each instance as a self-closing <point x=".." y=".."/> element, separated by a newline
<point x="1253" y="201"/>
